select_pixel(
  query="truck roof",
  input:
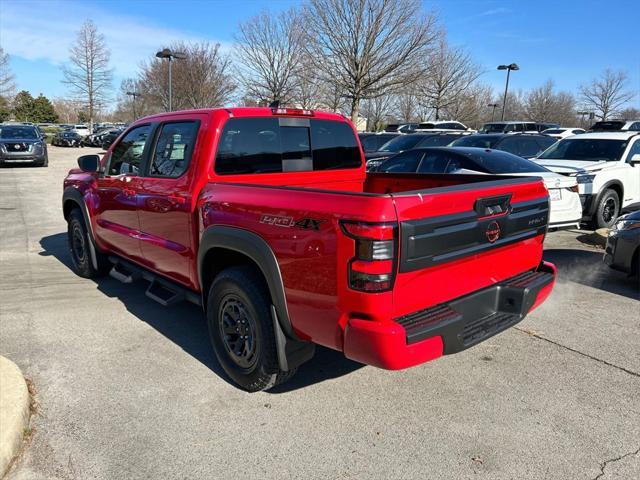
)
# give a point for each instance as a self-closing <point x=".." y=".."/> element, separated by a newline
<point x="258" y="112"/>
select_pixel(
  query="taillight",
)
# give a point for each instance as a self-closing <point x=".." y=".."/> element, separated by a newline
<point x="292" y="111"/>
<point x="371" y="269"/>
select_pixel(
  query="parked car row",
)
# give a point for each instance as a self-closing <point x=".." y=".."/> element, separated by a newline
<point x="591" y="177"/>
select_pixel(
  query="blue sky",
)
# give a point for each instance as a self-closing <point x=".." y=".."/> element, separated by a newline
<point x="568" y="41"/>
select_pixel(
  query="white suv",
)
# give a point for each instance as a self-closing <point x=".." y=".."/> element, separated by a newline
<point x="607" y="168"/>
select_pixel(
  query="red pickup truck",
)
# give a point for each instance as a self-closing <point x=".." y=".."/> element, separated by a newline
<point x="267" y="218"/>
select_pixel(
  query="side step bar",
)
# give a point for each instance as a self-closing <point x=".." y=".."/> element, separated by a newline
<point x="163" y="291"/>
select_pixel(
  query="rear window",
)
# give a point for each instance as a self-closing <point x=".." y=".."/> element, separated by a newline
<point x="493" y="127"/>
<point x="608" y="126"/>
<point x="477" y="141"/>
<point x="270" y="145"/>
<point x="401" y="143"/>
<point x="498" y="162"/>
<point x="438" y="140"/>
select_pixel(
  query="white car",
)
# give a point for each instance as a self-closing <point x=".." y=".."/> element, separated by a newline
<point x="606" y="166"/>
<point x="81" y="130"/>
<point x="516" y="127"/>
<point x="443" y="126"/>
<point x="562" y="132"/>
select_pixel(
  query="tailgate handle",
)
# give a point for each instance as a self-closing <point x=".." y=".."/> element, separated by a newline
<point x="493" y="206"/>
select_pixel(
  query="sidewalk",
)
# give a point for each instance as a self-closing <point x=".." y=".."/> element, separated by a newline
<point x="14" y="411"/>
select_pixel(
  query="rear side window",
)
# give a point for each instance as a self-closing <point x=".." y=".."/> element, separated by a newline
<point x="267" y="145"/>
<point x="174" y="148"/>
<point x="127" y="154"/>
<point x="434" y="162"/>
<point x="402" y="163"/>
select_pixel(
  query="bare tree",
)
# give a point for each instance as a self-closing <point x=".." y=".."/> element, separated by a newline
<point x="544" y="104"/>
<point x="67" y="110"/>
<point x="406" y="105"/>
<point x="269" y="52"/>
<point x="7" y="85"/>
<point x="367" y="48"/>
<point x="451" y="72"/>
<point x="630" y="113"/>
<point x="202" y="79"/>
<point x="471" y="106"/>
<point x="376" y="111"/>
<point x="88" y="74"/>
<point x="607" y="94"/>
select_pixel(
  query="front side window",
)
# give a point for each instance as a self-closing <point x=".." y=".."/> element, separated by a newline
<point x="173" y="150"/>
<point x="127" y="154"/>
<point x="634" y="150"/>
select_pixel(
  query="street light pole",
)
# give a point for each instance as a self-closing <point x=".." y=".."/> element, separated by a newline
<point x="170" y="55"/>
<point x="493" y="111"/>
<point x="508" y="68"/>
<point x="134" y="95"/>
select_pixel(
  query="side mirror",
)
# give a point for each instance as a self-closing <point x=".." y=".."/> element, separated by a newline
<point x="635" y="159"/>
<point x="89" y="163"/>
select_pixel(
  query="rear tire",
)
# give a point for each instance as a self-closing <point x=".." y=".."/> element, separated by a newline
<point x="241" y="329"/>
<point x="607" y="209"/>
<point x="79" y="249"/>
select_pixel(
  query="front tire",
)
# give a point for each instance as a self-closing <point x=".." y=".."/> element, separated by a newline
<point x="607" y="209"/>
<point x="241" y="329"/>
<point x="79" y="249"/>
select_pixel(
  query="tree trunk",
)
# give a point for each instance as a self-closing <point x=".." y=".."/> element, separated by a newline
<point x="355" y="110"/>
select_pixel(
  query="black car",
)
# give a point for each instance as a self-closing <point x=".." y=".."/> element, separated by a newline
<point x="110" y="137"/>
<point x="401" y="127"/>
<point x="407" y="142"/>
<point x="459" y="160"/>
<point x="525" y="145"/>
<point x="623" y="245"/>
<point x="67" y="138"/>
<point x="97" y="139"/>
<point x="372" y="142"/>
<point x="22" y="144"/>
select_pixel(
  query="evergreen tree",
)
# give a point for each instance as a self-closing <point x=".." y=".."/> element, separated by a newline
<point x="23" y="106"/>
<point x="43" y="110"/>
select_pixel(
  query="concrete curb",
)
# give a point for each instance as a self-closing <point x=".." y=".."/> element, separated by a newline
<point x="14" y="412"/>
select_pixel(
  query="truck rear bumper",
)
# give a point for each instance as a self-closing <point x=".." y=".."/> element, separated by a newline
<point x="448" y="328"/>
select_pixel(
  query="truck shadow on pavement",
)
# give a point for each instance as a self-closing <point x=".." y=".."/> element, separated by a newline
<point x="184" y="324"/>
<point x="586" y="267"/>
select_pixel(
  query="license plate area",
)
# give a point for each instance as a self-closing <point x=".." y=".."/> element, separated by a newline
<point x="555" y="194"/>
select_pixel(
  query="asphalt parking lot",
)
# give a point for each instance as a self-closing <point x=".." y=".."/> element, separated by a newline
<point x="130" y="389"/>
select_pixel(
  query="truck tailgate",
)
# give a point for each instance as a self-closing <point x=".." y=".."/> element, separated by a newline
<point x="458" y="239"/>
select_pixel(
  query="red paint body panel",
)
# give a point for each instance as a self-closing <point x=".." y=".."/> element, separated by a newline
<point x="157" y="223"/>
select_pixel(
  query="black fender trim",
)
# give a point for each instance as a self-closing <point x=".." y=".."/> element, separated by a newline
<point x="257" y="249"/>
<point x="72" y="194"/>
<point x="292" y="352"/>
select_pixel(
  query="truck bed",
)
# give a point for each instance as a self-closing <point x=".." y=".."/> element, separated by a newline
<point x="442" y="247"/>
